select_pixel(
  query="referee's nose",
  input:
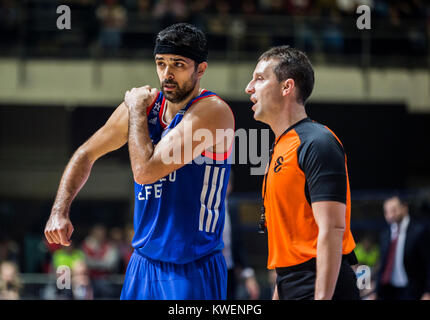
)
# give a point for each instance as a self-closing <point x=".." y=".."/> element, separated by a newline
<point x="250" y="87"/>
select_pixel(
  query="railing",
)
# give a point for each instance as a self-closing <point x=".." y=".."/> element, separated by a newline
<point x="36" y="286"/>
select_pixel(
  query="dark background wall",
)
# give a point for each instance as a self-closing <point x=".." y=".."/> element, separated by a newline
<point x="385" y="145"/>
<point x="379" y="141"/>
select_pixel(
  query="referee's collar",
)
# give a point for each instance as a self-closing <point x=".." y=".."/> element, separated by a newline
<point x="307" y="119"/>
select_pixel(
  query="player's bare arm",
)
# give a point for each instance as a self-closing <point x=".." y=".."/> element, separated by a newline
<point x="111" y="136"/>
<point x="147" y="163"/>
<point x="330" y="218"/>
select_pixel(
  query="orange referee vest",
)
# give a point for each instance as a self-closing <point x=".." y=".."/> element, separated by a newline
<point x="291" y="227"/>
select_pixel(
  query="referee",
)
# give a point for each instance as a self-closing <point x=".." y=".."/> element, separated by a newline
<point x="306" y="196"/>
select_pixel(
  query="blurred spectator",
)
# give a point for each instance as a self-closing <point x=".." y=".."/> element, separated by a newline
<point x="219" y="24"/>
<point x="128" y="251"/>
<point x="37" y="258"/>
<point x="369" y="3"/>
<point x="198" y="9"/>
<point x="121" y="239"/>
<point x="9" y="22"/>
<point x="395" y="29"/>
<point x="169" y="12"/>
<point x="380" y="9"/>
<point x="405" y="259"/>
<point x="325" y="8"/>
<point x="276" y="7"/>
<point x="101" y="256"/>
<point x="248" y="7"/>
<point x="304" y="37"/>
<point x="332" y="37"/>
<point x="86" y="12"/>
<point x="113" y="18"/>
<point x="82" y="287"/>
<point x="298" y="7"/>
<point x="304" y="30"/>
<point x="347" y="8"/>
<point x="239" y="273"/>
<point x="367" y="252"/>
<point x="10" y="283"/>
<point x="51" y="248"/>
<point x="9" y="250"/>
<point x="267" y="289"/>
<point x="415" y="11"/>
<point x="144" y="7"/>
<point x="331" y="30"/>
<point x="67" y="256"/>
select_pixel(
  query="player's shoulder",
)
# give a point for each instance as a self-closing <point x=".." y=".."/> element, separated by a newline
<point x="211" y="104"/>
<point x="211" y="99"/>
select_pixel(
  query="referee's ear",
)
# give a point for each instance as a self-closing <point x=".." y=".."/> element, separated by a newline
<point x="288" y="87"/>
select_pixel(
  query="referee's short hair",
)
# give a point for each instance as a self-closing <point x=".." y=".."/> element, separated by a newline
<point x="292" y="64"/>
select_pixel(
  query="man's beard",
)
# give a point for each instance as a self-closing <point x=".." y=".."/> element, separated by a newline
<point x="180" y="93"/>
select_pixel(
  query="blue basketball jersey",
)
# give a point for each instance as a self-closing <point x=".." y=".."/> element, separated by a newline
<point x="180" y="218"/>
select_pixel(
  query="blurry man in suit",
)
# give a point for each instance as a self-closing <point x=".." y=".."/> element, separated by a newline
<point x="405" y="255"/>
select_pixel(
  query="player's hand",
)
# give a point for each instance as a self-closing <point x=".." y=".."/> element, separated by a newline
<point x="140" y="97"/>
<point x="253" y="288"/>
<point x="58" y="229"/>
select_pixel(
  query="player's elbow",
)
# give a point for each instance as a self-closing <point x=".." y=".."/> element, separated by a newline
<point x="143" y="176"/>
<point x="83" y="155"/>
<point x="142" y="179"/>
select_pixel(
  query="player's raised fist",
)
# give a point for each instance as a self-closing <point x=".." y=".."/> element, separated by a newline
<point x="59" y="229"/>
<point x="140" y="97"/>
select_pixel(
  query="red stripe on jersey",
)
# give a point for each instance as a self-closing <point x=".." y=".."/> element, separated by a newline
<point x="161" y="113"/>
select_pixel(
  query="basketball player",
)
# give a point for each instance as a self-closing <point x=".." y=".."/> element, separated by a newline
<point x="179" y="205"/>
<point x="307" y="204"/>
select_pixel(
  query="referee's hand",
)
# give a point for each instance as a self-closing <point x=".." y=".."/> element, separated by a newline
<point x="59" y="229"/>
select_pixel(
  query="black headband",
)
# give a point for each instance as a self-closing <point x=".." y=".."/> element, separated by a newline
<point x="195" y="54"/>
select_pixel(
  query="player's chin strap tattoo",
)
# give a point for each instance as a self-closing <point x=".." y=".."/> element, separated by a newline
<point x="197" y="55"/>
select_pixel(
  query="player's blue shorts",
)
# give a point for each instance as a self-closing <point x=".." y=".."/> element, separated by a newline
<point x="203" y="279"/>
